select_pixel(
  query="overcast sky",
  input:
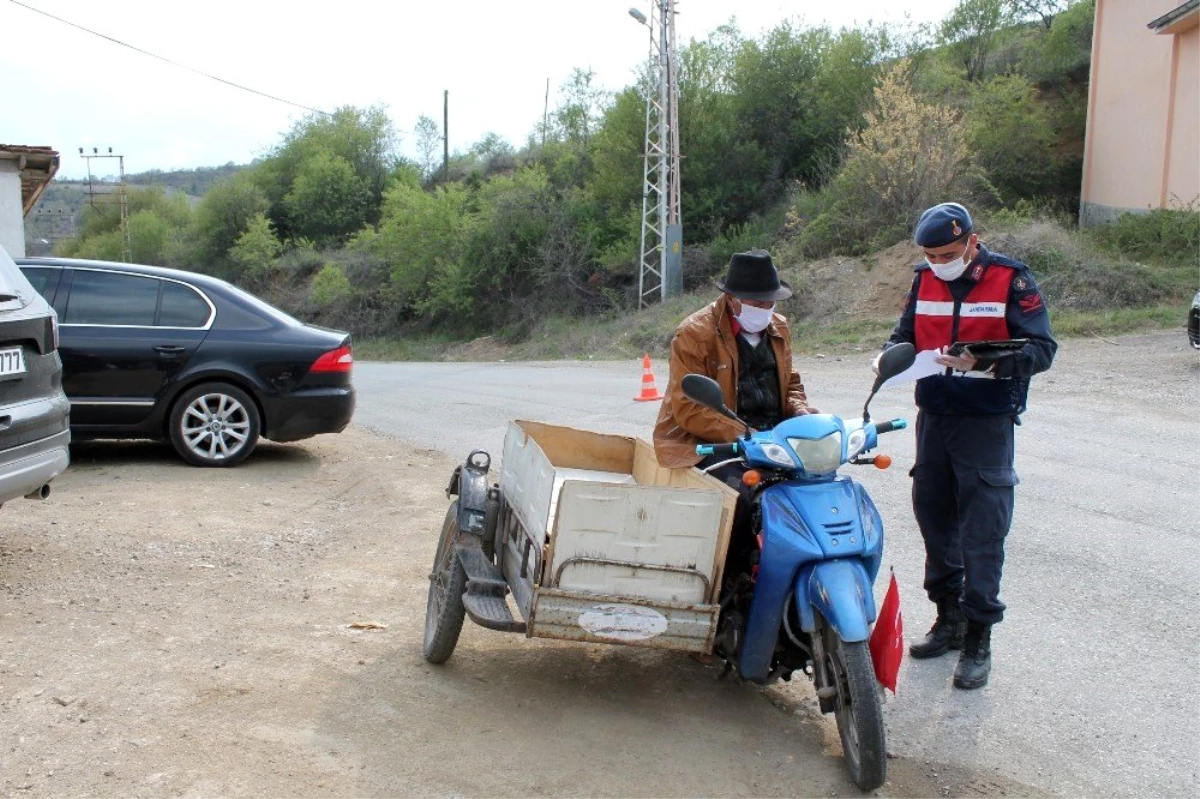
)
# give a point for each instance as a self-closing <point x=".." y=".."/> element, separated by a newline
<point x="67" y="89"/>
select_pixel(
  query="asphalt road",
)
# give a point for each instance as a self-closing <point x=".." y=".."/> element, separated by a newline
<point x="1092" y="689"/>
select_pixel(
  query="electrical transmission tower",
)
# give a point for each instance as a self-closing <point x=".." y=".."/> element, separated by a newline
<point x="660" y="263"/>
<point x="102" y="193"/>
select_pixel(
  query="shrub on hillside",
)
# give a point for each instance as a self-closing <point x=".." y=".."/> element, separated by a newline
<point x="911" y="155"/>
<point x="1074" y="275"/>
<point x="1163" y="233"/>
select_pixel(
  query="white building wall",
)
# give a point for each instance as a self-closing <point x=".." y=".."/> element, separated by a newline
<point x="12" y="215"/>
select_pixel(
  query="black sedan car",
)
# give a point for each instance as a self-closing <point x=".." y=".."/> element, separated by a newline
<point x="1193" y="322"/>
<point x="158" y="353"/>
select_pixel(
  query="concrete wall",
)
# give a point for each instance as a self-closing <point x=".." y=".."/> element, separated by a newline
<point x="1142" y="129"/>
<point x="12" y="215"/>
<point x="1183" y="170"/>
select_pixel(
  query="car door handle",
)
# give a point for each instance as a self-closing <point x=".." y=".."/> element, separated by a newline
<point x="168" y="350"/>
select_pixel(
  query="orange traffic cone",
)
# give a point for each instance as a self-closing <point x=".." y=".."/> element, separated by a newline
<point x="649" y="390"/>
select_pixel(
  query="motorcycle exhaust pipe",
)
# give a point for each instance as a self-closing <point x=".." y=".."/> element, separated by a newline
<point x="39" y="493"/>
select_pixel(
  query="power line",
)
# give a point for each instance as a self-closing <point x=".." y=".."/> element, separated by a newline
<point x="169" y="61"/>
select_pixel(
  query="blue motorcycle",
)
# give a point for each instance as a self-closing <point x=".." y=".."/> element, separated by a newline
<point x="806" y="602"/>
<point x="588" y="539"/>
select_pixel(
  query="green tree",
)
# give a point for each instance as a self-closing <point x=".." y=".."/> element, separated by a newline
<point x="722" y="171"/>
<point x="149" y="238"/>
<point x="328" y="200"/>
<point x="224" y="213"/>
<point x="972" y="32"/>
<point x="421" y="235"/>
<point x="363" y="138"/>
<point x="797" y="92"/>
<point x="909" y="156"/>
<point x="580" y="109"/>
<point x="1043" y="10"/>
<point x="330" y="287"/>
<point x="157" y="224"/>
<point x="1011" y="137"/>
<point x="429" y="146"/>
<point x="256" y="250"/>
<point x="1062" y="56"/>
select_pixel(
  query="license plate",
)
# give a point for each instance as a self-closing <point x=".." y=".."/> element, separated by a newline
<point x="12" y="362"/>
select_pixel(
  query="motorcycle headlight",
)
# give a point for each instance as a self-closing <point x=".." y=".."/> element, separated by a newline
<point x="855" y="441"/>
<point x="779" y="455"/>
<point x="820" y="454"/>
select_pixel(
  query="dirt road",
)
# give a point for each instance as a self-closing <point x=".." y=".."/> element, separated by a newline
<point x="167" y="631"/>
<point x="174" y="632"/>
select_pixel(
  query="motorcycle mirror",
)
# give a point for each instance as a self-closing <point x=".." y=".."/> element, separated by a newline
<point x="892" y="361"/>
<point x="706" y="392"/>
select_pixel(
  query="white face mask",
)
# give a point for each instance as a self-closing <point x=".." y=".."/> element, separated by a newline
<point x="952" y="270"/>
<point x="755" y="320"/>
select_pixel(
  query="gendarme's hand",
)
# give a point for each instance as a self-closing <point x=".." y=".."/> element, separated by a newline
<point x="959" y="363"/>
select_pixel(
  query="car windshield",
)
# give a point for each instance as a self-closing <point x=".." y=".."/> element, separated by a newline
<point x="266" y="308"/>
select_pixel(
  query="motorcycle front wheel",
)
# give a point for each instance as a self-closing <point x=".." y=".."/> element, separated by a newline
<point x="444" y="610"/>
<point x="857" y="709"/>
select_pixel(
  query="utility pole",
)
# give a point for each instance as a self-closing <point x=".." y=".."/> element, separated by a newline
<point x="446" y="135"/>
<point x="660" y="259"/>
<point x="100" y="196"/>
<point x="545" y="117"/>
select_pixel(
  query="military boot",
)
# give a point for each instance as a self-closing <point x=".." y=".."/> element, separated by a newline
<point x="945" y="634"/>
<point x="976" y="659"/>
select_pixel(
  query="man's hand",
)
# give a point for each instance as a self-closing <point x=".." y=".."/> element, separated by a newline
<point x="959" y="363"/>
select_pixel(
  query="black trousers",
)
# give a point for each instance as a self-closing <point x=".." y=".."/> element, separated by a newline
<point x="963" y="491"/>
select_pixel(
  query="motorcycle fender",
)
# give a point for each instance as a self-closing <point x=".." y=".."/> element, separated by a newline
<point x="841" y="592"/>
<point x="470" y="483"/>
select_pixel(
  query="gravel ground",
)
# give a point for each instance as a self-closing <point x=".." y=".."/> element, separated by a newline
<point x="169" y="631"/>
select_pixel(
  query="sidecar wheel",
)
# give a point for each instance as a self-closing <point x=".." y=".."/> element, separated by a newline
<point x="857" y="710"/>
<point x="444" y="611"/>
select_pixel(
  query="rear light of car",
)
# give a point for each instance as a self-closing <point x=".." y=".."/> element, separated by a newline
<point x="339" y="360"/>
<point x="50" y="332"/>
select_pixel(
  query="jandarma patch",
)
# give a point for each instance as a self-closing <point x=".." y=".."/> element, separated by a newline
<point x="1031" y="303"/>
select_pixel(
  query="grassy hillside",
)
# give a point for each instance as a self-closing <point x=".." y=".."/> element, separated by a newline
<point x="1097" y="283"/>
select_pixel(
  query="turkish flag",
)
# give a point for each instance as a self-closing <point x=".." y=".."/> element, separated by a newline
<point x="887" y="639"/>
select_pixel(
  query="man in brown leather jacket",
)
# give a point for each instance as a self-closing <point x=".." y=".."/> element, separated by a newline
<point x="739" y="341"/>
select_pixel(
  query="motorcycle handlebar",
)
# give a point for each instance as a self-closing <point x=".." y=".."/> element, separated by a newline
<point x="887" y="427"/>
<point x="720" y="450"/>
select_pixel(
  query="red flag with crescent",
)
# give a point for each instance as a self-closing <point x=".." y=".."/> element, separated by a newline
<point x="887" y="639"/>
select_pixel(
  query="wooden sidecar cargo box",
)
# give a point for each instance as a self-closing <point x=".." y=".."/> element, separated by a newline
<point x="600" y="543"/>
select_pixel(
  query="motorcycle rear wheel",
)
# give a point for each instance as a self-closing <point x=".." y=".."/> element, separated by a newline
<point x="857" y="710"/>
<point x="444" y="610"/>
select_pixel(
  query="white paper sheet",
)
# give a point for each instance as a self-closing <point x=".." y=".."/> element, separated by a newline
<point x="923" y="366"/>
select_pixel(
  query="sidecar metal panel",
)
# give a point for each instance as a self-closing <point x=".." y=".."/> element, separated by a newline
<point x="600" y="619"/>
<point x="635" y="541"/>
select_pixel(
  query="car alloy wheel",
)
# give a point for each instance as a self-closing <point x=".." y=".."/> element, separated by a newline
<point x="214" y="425"/>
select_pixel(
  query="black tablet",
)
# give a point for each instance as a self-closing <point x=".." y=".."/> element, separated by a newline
<point x="987" y="349"/>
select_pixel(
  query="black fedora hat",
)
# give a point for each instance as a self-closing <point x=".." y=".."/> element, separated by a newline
<point x="753" y="276"/>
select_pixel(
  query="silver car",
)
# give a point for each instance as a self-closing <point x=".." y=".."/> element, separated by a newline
<point x="34" y="425"/>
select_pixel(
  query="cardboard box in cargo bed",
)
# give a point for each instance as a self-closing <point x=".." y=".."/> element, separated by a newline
<point x="600" y="543"/>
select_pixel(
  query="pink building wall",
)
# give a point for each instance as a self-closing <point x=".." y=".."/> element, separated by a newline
<point x="1142" y="149"/>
